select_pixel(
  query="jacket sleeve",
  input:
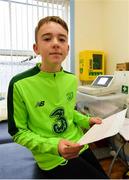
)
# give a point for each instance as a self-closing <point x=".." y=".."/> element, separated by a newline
<point x="18" y="128"/>
<point x="81" y="120"/>
<point x="36" y="143"/>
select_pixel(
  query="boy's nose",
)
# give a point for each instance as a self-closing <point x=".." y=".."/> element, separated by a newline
<point x="55" y="42"/>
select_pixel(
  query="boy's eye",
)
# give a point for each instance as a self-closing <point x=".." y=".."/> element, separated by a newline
<point x="47" y="39"/>
<point x="62" y="40"/>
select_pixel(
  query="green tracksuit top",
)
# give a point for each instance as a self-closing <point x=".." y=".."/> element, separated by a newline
<point x="41" y="113"/>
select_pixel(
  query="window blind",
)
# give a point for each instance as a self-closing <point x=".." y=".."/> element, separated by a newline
<point x="18" y="19"/>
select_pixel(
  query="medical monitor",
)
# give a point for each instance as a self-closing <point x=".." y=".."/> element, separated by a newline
<point x="102" y="81"/>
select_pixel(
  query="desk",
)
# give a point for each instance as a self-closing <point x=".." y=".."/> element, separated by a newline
<point x="124" y="133"/>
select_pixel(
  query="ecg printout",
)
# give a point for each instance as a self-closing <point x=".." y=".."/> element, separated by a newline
<point x="109" y="127"/>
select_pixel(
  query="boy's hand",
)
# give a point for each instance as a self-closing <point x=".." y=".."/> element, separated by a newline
<point x="95" y="120"/>
<point x="69" y="150"/>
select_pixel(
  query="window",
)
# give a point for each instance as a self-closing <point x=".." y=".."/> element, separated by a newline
<point x="18" y="19"/>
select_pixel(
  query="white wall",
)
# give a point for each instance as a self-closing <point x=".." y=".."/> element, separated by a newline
<point x="103" y="25"/>
<point x="116" y="32"/>
<point x="88" y="26"/>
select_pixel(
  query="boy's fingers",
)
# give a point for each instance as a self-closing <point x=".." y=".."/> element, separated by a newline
<point x="72" y="149"/>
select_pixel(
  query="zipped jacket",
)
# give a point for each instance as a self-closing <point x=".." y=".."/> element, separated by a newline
<point x="41" y="112"/>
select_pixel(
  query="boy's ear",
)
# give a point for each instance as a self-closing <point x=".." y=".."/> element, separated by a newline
<point x="68" y="48"/>
<point x="35" y="48"/>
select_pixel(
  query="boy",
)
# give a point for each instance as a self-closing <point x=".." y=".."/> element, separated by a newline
<point x="41" y="111"/>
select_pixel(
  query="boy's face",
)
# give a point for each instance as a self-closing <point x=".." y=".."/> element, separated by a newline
<point x="52" y="44"/>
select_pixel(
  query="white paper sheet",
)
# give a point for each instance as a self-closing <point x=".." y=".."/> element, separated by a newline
<point x="109" y="127"/>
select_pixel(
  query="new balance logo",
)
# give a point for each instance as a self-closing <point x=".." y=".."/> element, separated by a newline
<point x="40" y="104"/>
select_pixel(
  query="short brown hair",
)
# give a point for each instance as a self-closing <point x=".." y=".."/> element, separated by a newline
<point x="48" y="19"/>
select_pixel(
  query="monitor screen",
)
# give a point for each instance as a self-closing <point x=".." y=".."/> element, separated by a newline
<point x="97" y="61"/>
<point x="103" y="80"/>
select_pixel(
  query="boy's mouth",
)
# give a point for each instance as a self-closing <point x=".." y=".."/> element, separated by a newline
<point x="55" y="53"/>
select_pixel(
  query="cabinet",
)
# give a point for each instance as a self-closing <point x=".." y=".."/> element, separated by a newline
<point x="101" y="106"/>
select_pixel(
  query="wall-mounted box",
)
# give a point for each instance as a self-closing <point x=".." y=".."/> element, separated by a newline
<point x="91" y="64"/>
